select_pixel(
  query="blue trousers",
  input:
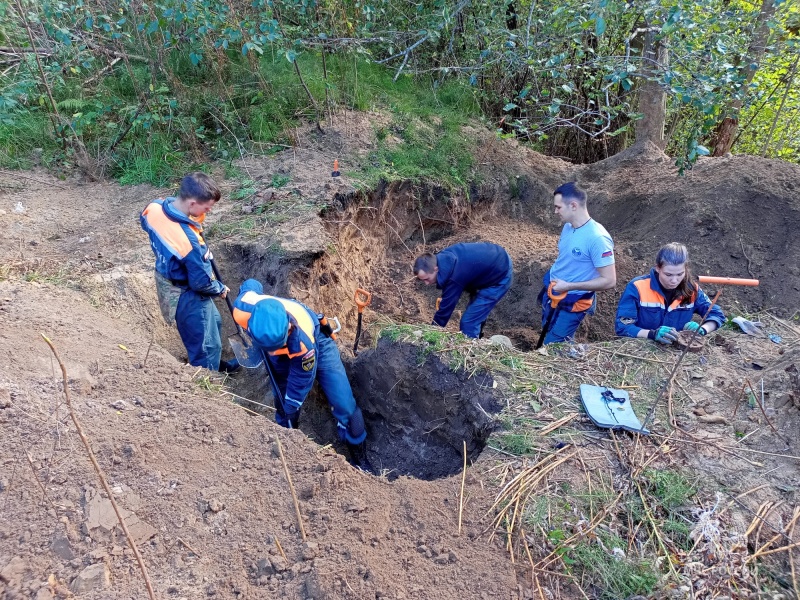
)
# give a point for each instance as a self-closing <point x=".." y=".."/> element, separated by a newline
<point x="564" y="324"/>
<point x="200" y="327"/>
<point x="481" y="304"/>
<point x="330" y="373"/>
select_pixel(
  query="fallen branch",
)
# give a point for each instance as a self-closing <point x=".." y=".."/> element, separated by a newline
<point x="99" y="471"/>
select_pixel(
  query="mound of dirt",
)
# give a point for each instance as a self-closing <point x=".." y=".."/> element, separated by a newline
<point x="738" y="216"/>
<point x="201" y="482"/>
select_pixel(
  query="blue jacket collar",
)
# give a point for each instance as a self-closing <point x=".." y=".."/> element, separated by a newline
<point x="176" y="215"/>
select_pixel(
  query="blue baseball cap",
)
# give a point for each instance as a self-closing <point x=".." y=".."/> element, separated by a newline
<point x="269" y="324"/>
<point x="251" y="285"/>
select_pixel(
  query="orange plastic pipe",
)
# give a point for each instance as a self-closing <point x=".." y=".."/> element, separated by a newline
<point x="727" y="280"/>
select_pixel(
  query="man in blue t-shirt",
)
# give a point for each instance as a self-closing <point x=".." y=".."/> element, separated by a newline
<point x="585" y="265"/>
<point x="481" y="269"/>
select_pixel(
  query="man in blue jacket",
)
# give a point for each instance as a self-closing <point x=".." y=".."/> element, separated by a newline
<point x="299" y="351"/>
<point x="185" y="281"/>
<point x="482" y="269"/>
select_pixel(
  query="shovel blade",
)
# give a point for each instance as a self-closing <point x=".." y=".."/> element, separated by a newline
<point x="246" y="353"/>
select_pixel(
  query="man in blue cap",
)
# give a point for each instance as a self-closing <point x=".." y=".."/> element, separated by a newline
<point x="299" y="351"/>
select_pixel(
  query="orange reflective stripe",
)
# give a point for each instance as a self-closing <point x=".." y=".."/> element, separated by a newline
<point x="171" y="233"/>
<point x="241" y="317"/>
<point x="295" y="309"/>
<point x="582" y="305"/>
<point x="647" y="295"/>
<point x="677" y="302"/>
<point x="285" y="351"/>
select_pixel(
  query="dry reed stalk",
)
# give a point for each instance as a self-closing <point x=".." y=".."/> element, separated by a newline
<point x="188" y="547"/>
<point x="99" y="471"/>
<point x="758" y="518"/>
<point x="791" y="562"/>
<point x="592" y="525"/>
<point x="291" y="489"/>
<point x="783" y="533"/>
<point x="280" y="548"/>
<point x="461" y="496"/>
<point x="523" y="482"/>
<point x="752" y="557"/>
<point x="556" y="424"/>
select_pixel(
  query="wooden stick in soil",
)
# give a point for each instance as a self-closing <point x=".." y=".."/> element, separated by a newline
<point x="280" y="548"/>
<point x="188" y="547"/>
<point x="668" y="383"/>
<point x="291" y="488"/>
<point x="99" y="471"/>
<point x="463" y="480"/>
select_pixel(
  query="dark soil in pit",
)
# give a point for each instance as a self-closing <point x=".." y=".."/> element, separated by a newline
<point x="419" y="412"/>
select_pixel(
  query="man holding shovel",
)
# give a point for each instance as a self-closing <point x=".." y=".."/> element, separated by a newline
<point x="585" y="265"/>
<point x="185" y="281"/>
<point x="298" y="350"/>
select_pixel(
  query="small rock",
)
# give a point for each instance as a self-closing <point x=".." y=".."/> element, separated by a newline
<point x="93" y="577"/>
<point x="44" y="594"/>
<point x="442" y="559"/>
<point x="310" y="550"/>
<point x="215" y="505"/>
<point x="119" y="405"/>
<point x="5" y="398"/>
<point x="13" y="572"/>
<point x="264" y="568"/>
<point x="502" y="340"/>
<point x="61" y="547"/>
<point x="278" y="563"/>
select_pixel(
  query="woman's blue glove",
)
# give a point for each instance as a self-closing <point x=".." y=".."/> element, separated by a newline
<point x="666" y="334"/>
<point x="694" y="326"/>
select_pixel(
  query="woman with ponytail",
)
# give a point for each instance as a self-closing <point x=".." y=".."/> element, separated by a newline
<point x="657" y="305"/>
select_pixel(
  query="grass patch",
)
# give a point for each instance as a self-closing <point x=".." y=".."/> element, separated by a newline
<point x="605" y="563"/>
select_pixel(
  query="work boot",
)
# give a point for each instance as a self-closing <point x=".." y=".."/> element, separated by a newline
<point x="229" y="366"/>
<point x="358" y="457"/>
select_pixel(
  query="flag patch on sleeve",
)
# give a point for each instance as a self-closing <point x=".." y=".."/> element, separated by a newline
<point x="607" y="253"/>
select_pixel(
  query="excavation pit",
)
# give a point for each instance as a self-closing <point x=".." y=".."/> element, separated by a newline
<point x="419" y="411"/>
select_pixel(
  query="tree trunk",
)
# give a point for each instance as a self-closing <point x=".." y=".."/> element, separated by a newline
<point x="652" y="97"/>
<point x="725" y="134"/>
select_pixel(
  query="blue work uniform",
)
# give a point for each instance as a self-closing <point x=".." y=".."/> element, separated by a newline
<point x="482" y="269"/>
<point x="183" y="259"/>
<point x="643" y="306"/>
<point x="581" y="251"/>
<point x="307" y="355"/>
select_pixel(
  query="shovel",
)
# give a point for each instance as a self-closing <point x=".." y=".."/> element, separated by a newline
<point x="362" y="298"/>
<point x="246" y="353"/>
<point x="555" y="300"/>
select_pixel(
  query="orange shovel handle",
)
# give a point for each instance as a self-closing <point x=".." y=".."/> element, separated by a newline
<point x="727" y="280"/>
<point x="554" y="298"/>
<point x="362" y="298"/>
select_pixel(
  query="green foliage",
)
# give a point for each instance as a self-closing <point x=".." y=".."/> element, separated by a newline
<point x="156" y="162"/>
<point x="214" y="80"/>
<point x="279" y="180"/>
